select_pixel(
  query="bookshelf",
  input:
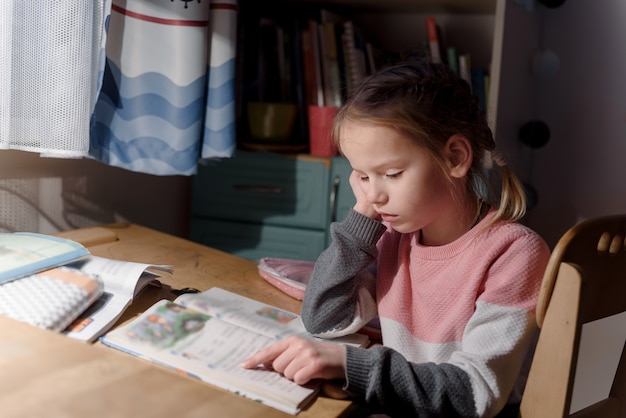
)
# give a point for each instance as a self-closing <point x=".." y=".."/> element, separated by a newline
<point x="429" y="6"/>
<point x="399" y="25"/>
<point x="500" y="36"/>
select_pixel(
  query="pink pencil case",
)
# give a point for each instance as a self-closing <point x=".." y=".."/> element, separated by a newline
<point x="290" y="276"/>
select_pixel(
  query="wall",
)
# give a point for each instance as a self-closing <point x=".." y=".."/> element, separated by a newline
<point x="581" y="172"/>
<point x="49" y="195"/>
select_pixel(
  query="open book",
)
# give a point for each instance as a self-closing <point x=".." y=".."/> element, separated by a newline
<point x="122" y="281"/>
<point x="207" y="335"/>
<point x="26" y="253"/>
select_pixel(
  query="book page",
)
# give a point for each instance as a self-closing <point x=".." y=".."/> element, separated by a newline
<point x="123" y="280"/>
<point x="209" y="349"/>
<point x="254" y="315"/>
<point x="121" y="277"/>
<point x="245" y="312"/>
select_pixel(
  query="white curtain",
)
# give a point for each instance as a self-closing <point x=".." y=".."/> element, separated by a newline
<point x="51" y="55"/>
<point x="167" y="100"/>
<point x="146" y="85"/>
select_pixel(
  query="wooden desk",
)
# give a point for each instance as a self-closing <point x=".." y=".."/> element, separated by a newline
<point x="43" y="373"/>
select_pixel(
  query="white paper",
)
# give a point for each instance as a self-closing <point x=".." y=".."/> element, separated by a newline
<point x="601" y="345"/>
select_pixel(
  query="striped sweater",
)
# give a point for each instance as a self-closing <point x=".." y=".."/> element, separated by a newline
<point x="457" y="320"/>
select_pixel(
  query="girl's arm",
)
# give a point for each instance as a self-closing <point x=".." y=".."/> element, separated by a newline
<point x="339" y="298"/>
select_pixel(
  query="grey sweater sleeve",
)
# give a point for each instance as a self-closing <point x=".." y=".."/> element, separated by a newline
<point x="388" y="383"/>
<point x="331" y="296"/>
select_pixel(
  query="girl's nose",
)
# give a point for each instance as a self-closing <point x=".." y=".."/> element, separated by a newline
<point x="375" y="194"/>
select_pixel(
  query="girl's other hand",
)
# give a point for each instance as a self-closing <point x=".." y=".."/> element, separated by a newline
<point x="362" y="205"/>
<point x="301" y="360"/>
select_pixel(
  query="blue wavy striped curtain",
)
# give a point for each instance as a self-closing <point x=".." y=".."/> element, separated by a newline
<point x="167" y="100"/>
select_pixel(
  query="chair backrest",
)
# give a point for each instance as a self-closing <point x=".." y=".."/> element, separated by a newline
<point x="585" y="280"/>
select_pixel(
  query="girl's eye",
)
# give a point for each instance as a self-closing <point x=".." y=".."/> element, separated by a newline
<point x="394" y="175"/>
<point x="364" y="178"/>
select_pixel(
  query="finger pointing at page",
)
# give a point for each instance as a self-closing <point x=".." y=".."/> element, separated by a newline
<point x="301" y="360"/>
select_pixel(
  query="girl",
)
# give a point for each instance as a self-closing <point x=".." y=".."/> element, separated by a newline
<point x="432" y="248"/>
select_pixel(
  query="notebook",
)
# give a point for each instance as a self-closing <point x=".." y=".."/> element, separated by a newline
<point x="26" y="253"/>
<point x="51" y="299"/>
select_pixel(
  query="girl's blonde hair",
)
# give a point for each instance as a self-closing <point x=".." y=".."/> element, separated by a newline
<point x="430" y="103"/>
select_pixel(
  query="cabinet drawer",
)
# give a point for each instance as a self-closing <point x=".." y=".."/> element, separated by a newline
<point x="254" y="241"/>
<point x="265" y="188"/>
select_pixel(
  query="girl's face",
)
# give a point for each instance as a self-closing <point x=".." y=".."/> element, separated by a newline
<point x="402" y="182"/>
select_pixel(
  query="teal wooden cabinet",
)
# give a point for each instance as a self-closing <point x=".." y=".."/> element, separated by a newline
<point x="260" y="204"/>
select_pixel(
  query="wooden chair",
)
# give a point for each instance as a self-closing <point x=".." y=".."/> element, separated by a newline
<point x="585" y="280"/>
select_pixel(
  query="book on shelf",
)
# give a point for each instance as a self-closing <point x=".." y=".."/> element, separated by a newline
<point x="371" y="59"/>
<point x="479" y="85"/>
<point x="270" y="58"/>
<point x="285" y="61"/>
<point x="331" y="25"/>
<point x="299" y="81"/>
<point x="122" y="281"/>
<point x="322" y="51"/>
<point x="207" y="335"/>
<point x="452" y="59"/>
<point x="465" y="67"/>
<point x="26" y="253"/>
<point x="434" y="43"/>
<point x="311" y="65"/>
<point x="354" y="56"/>
<point x="332" y="78"/>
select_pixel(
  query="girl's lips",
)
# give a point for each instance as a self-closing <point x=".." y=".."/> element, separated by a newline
<point x="387" y="217"/>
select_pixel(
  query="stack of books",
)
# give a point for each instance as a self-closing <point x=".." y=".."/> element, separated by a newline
<point x="55" y="283"/>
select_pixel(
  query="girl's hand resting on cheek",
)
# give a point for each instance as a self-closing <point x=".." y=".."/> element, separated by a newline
<point x="302" y="360"/>
<point x="362" y="205"/>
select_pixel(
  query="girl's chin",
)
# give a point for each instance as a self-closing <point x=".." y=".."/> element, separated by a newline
<point x="403" y="229"/>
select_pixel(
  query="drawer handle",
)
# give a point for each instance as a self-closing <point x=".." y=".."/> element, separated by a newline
<point x="333" y="198"/>
<point x="258" y="189"/>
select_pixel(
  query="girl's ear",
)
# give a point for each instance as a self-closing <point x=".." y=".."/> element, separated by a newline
<point x="459" y="155"/>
